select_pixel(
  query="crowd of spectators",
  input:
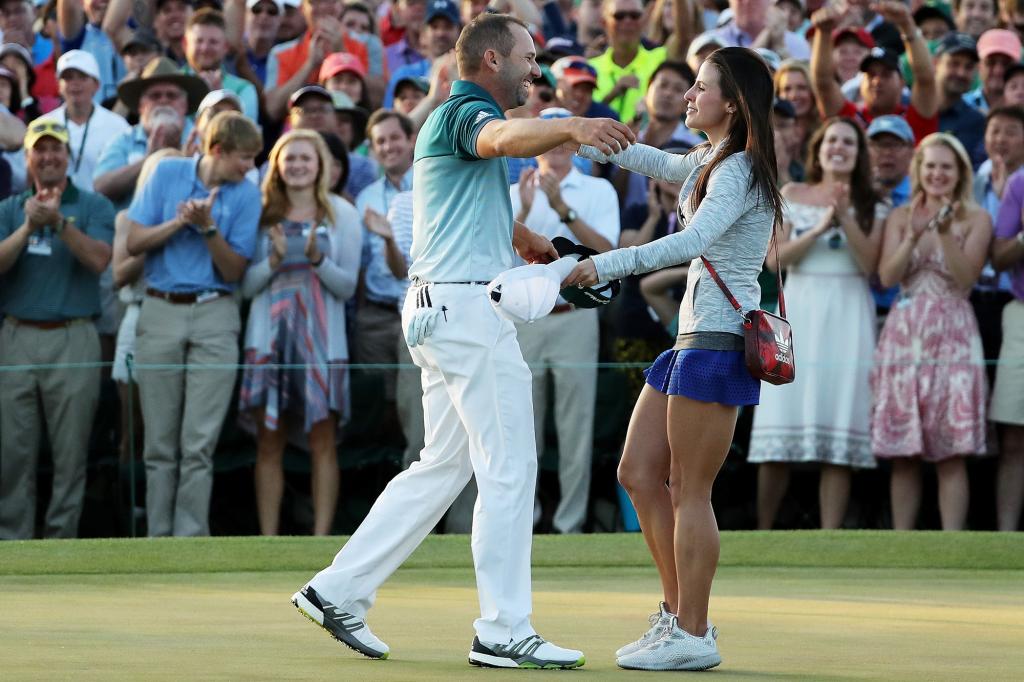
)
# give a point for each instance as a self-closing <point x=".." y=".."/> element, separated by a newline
<point x="168" y="165"/>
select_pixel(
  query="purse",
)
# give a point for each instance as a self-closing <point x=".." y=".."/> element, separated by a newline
<point x="767" y="338"/>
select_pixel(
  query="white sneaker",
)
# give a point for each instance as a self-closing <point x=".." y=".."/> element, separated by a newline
<point x="659" y="624"/>
<point x="532" y="652"/>
<point x="676" y="650"/>
<point x="350" y="630"/>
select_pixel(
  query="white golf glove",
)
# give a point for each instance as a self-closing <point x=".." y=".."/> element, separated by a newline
<point x="421" y="326"/>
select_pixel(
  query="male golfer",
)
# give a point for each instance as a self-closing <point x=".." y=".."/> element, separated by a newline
<point x="478" y="416"/>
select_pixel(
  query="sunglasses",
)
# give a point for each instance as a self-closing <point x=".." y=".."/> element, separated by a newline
<point x="265" y="9"/>
<point x="631" y="14"/>
<point x="47" y="127"/>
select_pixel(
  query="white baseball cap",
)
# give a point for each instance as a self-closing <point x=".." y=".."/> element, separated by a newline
<point x="79" y="60"/>
<point x="216" y="97"/>
<point x="529" y="292"/>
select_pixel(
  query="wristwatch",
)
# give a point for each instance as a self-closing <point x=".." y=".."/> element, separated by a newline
<point x="210" y="232"/>
<point x="569" y="217"/>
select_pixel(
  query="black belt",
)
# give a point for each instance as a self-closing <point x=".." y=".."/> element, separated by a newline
<point x="420" y="283"/>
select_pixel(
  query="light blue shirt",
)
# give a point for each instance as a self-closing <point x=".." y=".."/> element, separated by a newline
<point x="93" y="40"/>
<point x="400" y="217"/>
<point x="796" y="45"/>
<point x="127" y="148"/>
<point x="381" y="286"/>
<point x="183" y="264"/>
<point x="462" y="212"/>
<point x="362" y="172"/>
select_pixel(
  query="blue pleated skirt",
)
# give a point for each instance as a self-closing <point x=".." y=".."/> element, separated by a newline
<point x="711" y="376"/>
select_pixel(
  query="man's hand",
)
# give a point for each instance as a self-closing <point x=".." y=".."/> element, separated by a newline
<point x="213" y="78"/>
<point x="199" y="212"/>
<point x="583" y="275"/>
<point x="549" y="184"/>
<point x="163" y="137"/>
<point x="443" y="73"/>
<point x="627" y="82"/>
<point x="607" y="135"/>
<point x="43" y="209"/>
<point x="532" y="247"/>
<point x="826" y="18"/>
<point x="527" y="189"/>
<point x="896" y="13"/>
<point x="378" y="224"/>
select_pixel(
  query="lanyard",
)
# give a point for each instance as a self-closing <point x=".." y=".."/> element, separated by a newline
<point x="77" y="158"/>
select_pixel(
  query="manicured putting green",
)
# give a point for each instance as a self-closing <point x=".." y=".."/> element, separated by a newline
<point x="142" y="619"/>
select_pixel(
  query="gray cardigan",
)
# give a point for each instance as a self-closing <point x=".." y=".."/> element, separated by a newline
<point x="731" y="228"/>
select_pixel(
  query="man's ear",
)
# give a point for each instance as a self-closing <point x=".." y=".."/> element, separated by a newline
<point x="491" y="60"/>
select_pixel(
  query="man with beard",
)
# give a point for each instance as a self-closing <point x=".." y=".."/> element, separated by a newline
<point x="477" y="404"/>
<point x="206" y="46"/>
<point x="163" y="96"/>
<point x="956" y="64"/>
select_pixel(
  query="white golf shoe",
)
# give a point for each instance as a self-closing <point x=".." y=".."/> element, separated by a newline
<point x="530" y="652"/>
<point x="676" y="650"/>
<point x="350" y="630"/>
<point x="659" y="624"/>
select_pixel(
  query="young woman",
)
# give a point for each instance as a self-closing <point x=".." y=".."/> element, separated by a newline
<point x="305" y="267"/>
<point x="929" y="375"/>
<point x="793" y="83"/>
<point x="829" y="244"/>
<point x="682" y="426"/>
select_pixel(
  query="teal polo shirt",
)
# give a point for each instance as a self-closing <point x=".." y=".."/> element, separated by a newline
<point x="462" y="212"/>
<point x="47" y="283"/>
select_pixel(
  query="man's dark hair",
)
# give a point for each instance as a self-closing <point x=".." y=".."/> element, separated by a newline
<point x="1006" y="111"/>
<point x="207" y="17"/>
<point x="381" y="115"/>
<point x="681" y="69"/>
<point x="486" y="32"/>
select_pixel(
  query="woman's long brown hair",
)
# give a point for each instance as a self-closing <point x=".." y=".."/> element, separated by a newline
<point x="745" y="80"/>
<point x="275" y="197"/>
<point x="862" y="193"/>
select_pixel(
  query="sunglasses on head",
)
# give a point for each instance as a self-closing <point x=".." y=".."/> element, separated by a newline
<point x="47" y="127"/>
<point x="628" y="14"/>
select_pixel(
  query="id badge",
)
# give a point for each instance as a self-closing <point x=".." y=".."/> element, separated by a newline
<point x="207" y="296"/>
<point x="40" y="244"/>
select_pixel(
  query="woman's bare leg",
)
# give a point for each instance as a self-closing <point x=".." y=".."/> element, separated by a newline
<point x="326" y="475"/>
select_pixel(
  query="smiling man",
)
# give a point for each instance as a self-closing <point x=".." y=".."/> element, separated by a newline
<point x="55" y="243"/>
<point x="477" y="388"/>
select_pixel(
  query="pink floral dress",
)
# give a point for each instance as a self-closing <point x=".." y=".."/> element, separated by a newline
<point x="929" y="380"/>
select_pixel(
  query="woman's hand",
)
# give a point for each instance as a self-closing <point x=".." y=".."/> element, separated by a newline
<point x="278" y="245"/>
<point x="654" y="208"/>
<point x="841" y="198"/>
<point x="583" y="275"/>
<point x="312" y="250"/>
<point x="944" y="223"/>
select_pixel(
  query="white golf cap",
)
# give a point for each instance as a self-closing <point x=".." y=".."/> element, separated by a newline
<point x="78" y="60"/>
<point x="292" y="3"/>
<point x="249" y="4"/>
<point x="216" y="97"/>
<point x="529" y="292"/>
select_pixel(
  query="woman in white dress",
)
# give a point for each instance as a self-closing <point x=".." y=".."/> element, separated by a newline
<point x="829" y="245"/>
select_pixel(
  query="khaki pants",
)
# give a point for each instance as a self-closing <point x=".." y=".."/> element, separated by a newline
<point x="183" y="409"/>
<point x="569" y="338"/>
<point x="68" y="398"/>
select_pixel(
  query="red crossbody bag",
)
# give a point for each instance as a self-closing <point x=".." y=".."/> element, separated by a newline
<point x="767" y="338"/>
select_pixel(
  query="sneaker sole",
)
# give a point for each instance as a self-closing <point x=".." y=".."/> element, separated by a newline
<point x="314" y="615"/>
<point x="485" y="661"/>
<point x="703" y="663"/>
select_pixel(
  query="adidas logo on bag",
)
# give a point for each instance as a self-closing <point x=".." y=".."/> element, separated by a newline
<point x="783" y="354"/>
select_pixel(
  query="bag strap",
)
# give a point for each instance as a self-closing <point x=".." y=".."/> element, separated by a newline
<point x="732" y="299"/>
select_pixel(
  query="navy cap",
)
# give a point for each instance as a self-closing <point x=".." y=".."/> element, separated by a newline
<point x="957" y="43"/>
<point x="886" y="58"/>
<point x="891" y="125"/>
<point x="443" y="8"/>
<point x="784" y="108"/>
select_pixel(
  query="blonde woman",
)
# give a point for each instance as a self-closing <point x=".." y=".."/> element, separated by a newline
<point x="793" y="83"/>
<point x="131" y="289"/>
<point x="929" y="377"/>
<point x="305" y="267"/>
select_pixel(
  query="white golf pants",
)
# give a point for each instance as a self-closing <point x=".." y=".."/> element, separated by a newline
<point x="478" y="418"/>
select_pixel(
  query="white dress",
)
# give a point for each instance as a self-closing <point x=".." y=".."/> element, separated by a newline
<point x="825" y="414"/>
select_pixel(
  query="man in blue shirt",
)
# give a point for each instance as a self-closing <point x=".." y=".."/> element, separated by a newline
<point x="196" y="222"/>
<point x="476" y="386"/>
<point x="437" y="38"/>
<point x="55" y="243"/>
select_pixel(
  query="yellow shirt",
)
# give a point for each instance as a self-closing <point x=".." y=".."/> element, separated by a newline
<point x="608" y="74"/>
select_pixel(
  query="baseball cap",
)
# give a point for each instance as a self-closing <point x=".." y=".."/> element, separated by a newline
<point x="575" y="70"/>
<point x="563" y="47"/>
<point x="555" y="112"/>
<point x="341" y="61"/>
<point x="144" y="38"/>
<point x="891" y="125"/>
<point x="215" y="97"/>
<point x="957" y="43"/>
<point x="999" y="41"/>
<point x="292" y="3"/>
<point x="443" y="8"/>
<point x="315" y="90"/>
<point x="580" y="296"/>
<point x="855" y="32"/>
<point x="529" y="292"/>
<point x="418" y="82"/>
<point x="15" y="48"/>
<point x="885" y="57"/>
<point x="934" y="10"/>
<point x="546" y="77"/>
<point x="784" y="108"/>
<point x="41" y="128"/>
<point x="78" y="60"/>
<point x="702" y="41"/>
<point x="249" y="4"/>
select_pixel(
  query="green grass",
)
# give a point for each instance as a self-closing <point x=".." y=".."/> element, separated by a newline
<point x="847" y="549"/>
